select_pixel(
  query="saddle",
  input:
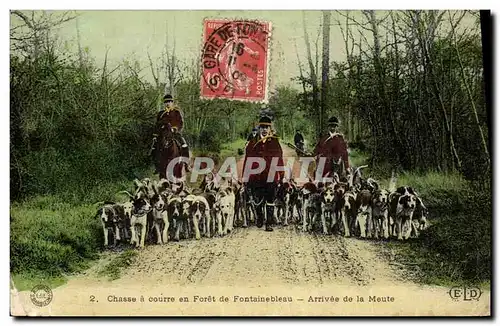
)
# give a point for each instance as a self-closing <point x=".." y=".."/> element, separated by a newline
<point x="173" y="139"/>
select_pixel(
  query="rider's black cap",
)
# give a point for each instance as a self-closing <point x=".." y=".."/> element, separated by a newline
<point x="167" y="98"/>
<point x="333" y="121"/>
<point x="265" y="121"/>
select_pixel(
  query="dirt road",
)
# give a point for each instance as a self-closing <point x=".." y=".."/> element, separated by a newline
<point x="252" y="261"/>
<point x="285" y="256"/>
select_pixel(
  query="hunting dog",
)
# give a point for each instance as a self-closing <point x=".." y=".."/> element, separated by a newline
<point x="380" y="213"/>
<point x="185" y="219"/>
<point x="139" y="219"/>
<point x="224" y="211"/>
<point x="199" y="212"/>
<point x="281" y="203"/>
<point x="174" y="209"/>
<point x="402" y="206"/>
<point x="145" y="186"/>
<point x="328" y="206"/>
<point x="160" y="218"/>
<point x="309" y="207"/>
<point x="107" y="216"/>
<point x="242" y="206"/>
<point x="420" y="216"/>
<point x="345" y="203"/>
<point x="296" y="202"/>
<point x="115" y="217"/>
<point x="210" y="221"/>
<point x="313" y="210"/>
<point x="364" y="213"/>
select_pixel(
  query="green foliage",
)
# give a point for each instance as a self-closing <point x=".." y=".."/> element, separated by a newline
<point x="25" y="281"/>
<point x="75" y="125"/>
<point x="285" y="103"/>
<point x="408" y="102"/>
<point x="231" y="149"/>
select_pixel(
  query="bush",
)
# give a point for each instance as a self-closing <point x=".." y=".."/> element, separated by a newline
<point x="76" y="133"/>
<point x="463" y="238"/>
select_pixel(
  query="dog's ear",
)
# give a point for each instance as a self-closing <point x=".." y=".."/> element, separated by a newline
<point x="155" y="187"/>
<point x="130" y="196"/>
<point x="138" y="183"/>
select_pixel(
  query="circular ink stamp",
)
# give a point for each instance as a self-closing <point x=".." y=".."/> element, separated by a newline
<point x="41" y="295"/>
<point x="235" y="59"/>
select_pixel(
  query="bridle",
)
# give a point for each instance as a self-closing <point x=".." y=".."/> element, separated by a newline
<point x="168" y="140"/>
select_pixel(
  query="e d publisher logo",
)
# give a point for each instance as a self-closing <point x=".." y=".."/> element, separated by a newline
<point x="465" y="293"/>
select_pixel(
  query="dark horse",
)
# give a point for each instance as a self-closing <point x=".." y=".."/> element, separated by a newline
<point x="169" y="149"/>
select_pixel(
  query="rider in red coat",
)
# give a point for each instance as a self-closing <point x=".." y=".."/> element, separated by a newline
<point x="172" y="115"/>
<point x="265" y="146"/>
<point x="333" y="146"/>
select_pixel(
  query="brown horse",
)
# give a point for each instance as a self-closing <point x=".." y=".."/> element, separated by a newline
<point x="169" y="149"/>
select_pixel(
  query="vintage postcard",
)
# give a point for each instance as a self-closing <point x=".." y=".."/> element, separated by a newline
<point x="250" y="163"/>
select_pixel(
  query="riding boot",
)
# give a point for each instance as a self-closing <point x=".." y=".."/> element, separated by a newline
<point x="184" y="151"/>
<point x="260" y="216"/>
<point x="269" y="216"/>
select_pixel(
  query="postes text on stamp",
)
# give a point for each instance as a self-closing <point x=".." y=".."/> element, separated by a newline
<point x="235" y="59"/>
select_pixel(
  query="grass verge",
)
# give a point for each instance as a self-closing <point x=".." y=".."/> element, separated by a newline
<point x="113" y="269"/>
<point x="54" y="236"/>
<point x="231" y="149"/>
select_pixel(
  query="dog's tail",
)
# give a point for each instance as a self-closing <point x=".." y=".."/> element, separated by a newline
<point x="392" y="182"/>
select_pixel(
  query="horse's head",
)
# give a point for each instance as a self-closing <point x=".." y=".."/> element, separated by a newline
<point x="338" y="167"/>
<point x="168" y="136"/>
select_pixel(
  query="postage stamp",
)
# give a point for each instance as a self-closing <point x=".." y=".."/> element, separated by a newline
<point x="235" y="59"/>
<point x="292" y="163"/>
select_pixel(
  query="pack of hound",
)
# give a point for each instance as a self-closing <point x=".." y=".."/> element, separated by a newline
<point x="351" y="205"/>
<point x="348" y="205"/>
<point x="161" y="211"/>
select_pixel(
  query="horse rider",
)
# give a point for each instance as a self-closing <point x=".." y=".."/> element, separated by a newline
<point x="333" y="146"/>
<point x="267" y="146"/>
<point x="171" y="114"/>
<point x="298" y="139"/>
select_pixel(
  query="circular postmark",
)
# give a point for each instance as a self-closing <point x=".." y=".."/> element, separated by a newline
<point x="41" y="295"/>
<point x="234" y="59"/>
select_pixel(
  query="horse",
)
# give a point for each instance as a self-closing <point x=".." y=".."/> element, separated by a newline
<point x="169" y="149"/>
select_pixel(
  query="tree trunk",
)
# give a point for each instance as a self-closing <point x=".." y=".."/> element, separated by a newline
<point x="314" y="78"/>
<point x="471" y="99"/>
<point x="325" y="67"/>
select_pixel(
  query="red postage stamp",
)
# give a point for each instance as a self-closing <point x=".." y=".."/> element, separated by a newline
<point x="235" y="59"/>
